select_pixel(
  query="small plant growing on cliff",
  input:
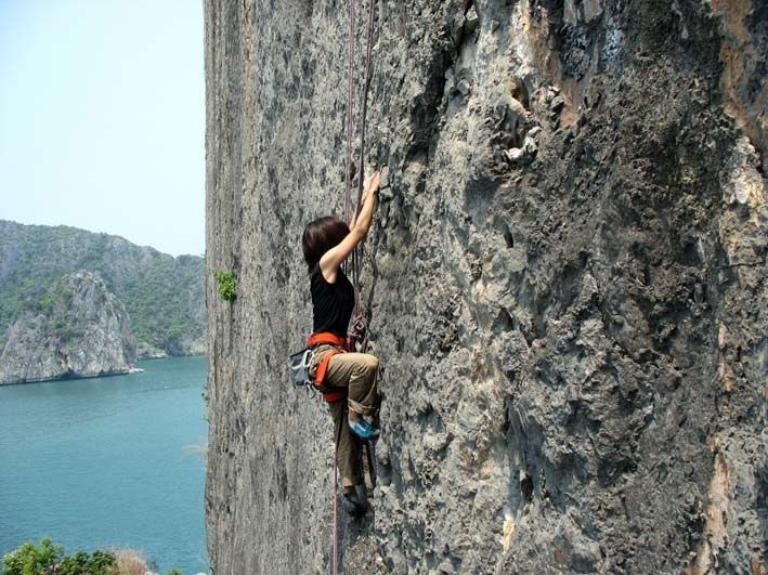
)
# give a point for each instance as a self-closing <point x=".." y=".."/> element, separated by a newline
<point x="206" y="397"/>
<point x="227" y="285"/>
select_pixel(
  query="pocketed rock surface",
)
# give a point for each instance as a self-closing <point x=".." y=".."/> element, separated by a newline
<point x="566" y="285"/>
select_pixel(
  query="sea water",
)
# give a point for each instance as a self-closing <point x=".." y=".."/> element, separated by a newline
<point x="108" y="462"/>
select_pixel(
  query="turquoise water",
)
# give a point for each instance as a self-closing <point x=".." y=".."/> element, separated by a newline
<point x="110" y="461"/>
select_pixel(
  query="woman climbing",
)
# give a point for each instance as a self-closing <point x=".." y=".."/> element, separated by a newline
<point x="348" y="378"/>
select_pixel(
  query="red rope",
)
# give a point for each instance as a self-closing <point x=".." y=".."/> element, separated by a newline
<point x="336" y="507"/>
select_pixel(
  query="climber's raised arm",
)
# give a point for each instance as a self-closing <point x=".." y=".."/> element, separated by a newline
<point x="362" y="222"/>
<point x="332" y="259"/>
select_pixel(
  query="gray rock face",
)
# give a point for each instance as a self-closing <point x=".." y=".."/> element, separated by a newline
<point x="79" y="330"/>
<point x="566" y="285"/>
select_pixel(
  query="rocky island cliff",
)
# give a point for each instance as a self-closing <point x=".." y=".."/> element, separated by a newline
<point x="79" y="329"/>
<point x="566" y="284"/>
<point x="163" y="294"/>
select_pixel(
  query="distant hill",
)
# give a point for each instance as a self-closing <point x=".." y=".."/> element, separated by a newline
<point x="162" y="294"/>
<point x="78" y="329"/>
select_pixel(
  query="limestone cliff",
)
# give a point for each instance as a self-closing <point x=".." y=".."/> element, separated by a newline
<point x="79" y="329"/>
<point x="163" y="294"/>
<point x="566" y="284"/>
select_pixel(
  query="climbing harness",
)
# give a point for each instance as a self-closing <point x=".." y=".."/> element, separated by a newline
<point x="330" y="393"/>
<point x="300" y="364"/>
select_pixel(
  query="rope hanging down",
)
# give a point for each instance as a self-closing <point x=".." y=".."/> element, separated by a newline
<point x="336" y="498"/>
<point x="366" y="85"/>
<point x="358" y="329"/>
<point x="358" y="319"/>
<point x="350" y="104"/>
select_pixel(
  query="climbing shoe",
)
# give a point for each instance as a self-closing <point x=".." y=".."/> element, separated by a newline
<point x="355" y="505"/>
<point x="362" y="429"/>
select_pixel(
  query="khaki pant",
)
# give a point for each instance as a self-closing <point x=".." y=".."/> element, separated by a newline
<point x="357" y="372"/>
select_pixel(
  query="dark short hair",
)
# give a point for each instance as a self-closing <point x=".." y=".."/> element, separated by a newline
<point x="320" y="236"/>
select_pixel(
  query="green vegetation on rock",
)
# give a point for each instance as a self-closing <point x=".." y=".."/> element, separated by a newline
<point x="56" y="302"/>
<point x="227" y="285"/>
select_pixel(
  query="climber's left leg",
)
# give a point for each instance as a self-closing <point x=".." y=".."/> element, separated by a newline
<point x="348" y="454"/>
<point x="357" y="372"/>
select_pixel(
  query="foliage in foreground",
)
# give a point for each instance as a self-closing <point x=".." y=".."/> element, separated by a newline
<point x="49" y="559"/>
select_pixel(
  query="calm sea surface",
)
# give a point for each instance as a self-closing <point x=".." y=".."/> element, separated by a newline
<point x="108" y="462"/>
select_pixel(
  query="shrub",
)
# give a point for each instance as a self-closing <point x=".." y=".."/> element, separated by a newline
<point x="98" y="563"/>
<point x="206" y="398"/>
<point x="129" y="562"/>
<point x="32" y="560"/>
<point x="227" y="284"/>
<point x="49" y="559"/>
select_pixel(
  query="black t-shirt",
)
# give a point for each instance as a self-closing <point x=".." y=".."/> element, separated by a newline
<point x="332" y="303"/>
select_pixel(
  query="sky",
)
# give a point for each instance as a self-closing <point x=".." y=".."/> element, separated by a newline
<point x="102" y="118"/>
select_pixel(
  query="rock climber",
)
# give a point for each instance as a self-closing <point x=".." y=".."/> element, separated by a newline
<point x="348" y="377"/>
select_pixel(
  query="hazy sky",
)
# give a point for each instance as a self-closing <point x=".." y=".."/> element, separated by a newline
<point x="102" y="118"/>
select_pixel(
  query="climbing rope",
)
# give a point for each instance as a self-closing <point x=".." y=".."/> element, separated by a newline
<point x="366" y="85"/>
<point x="350" y="103"/>
<point x="335" y="541"/>
<point x="358" y="327"/>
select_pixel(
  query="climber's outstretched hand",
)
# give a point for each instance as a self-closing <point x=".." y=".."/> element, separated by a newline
<point x="373" y="183"/>
<point x="368" y="204"/>
<point x="371" y="186"/>
<point x="332" y="259"/>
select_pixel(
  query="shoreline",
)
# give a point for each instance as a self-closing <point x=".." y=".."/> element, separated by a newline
<point x="131" y="371"/>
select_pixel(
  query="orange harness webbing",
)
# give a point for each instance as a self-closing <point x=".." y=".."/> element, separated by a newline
<point x="329" y="338"/>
